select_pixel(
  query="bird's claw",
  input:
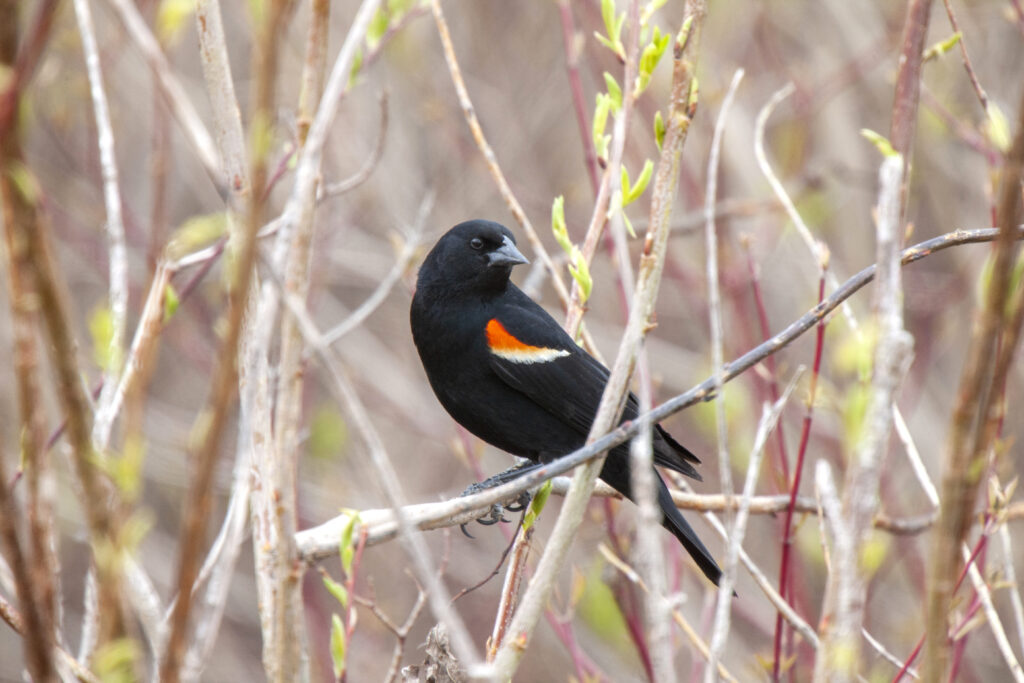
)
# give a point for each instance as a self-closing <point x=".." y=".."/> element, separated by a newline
<point x="493" y="516"/>
<point x="521" y="502"/>
<point x="497" y="512"/>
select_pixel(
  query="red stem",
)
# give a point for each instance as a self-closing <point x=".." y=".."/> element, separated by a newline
<point x="773" y="382"/>
<point x="576" y="88"/>
<point x="787" y="542"/>
<point x="978" y="547"/>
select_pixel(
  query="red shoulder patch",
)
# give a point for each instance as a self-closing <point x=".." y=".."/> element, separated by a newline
<point x="504" y="345"/>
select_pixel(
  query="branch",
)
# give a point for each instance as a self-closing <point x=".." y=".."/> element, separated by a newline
<point x="721" y="625"/>
<point x="118" y="254"/>
<point x="720" y="630"/>
<point x="848" y="581"/>
<point x="322" y="540"/>
<point x="641" y="310"/>
<point x="973" y="428"/>
<point x="177" y="101"/>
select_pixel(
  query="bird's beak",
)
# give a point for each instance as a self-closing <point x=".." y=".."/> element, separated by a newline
<point x="506" y="255"/>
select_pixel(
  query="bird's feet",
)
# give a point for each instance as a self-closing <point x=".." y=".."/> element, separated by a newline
<point x="497" y="512"/>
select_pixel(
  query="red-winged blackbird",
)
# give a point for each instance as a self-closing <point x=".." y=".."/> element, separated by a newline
<point x="508" y="372"/>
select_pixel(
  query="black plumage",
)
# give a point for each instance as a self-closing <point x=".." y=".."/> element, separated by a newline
<point x="505" y="370"/>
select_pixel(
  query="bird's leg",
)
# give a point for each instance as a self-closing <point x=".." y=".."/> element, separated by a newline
<point x="496" y="513"/>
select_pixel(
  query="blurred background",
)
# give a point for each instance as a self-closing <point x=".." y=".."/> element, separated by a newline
<point x="842" y="58"/>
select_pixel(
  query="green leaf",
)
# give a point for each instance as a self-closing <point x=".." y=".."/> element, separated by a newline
<point x="683" y="37"/>
<point x="880" y="142"/>
<point x="26" y="182"/>
<point x="134" y="530"/>
<point x="649" y="10"/>
<point x="614" y="91"/>
<point x="873" y="553"/>
<point x="101" y="329"/>
<point x="115" y="661"/>
<point x="558" y="226"/>
<point x="126" y="470"/>
<point x="693" y="96"/>
<point x="197" y="232"/>
<point x="997" y="128"/>
<point x="604" y="41"/>
<point x="942" y="47"/>
<point x="581" y="273"/>
<point x="328" y="433"/>
<point x="377" y="28"/>
<point x="659" y="129"/>
<point x="601" y="109"/>
<point x="171" y="302"/>
<point x="537" y="505"/>
<point x="345" y="547"/>
<point x="608" y="14"/>
<point x="631" y="194"/>
<point x="357" y="64"/>
<point x="629" y="225"/>
<point x="171" y="16"/>
<point x="854" y="409"/>
<point x="649" y="60"/>
<point x="598" y="608"/>
<point x="337" y="645"/>
<point x="613" y="27"/>
<point x="336" y="589"/>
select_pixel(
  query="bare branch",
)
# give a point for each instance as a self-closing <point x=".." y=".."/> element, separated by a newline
<point x="992" y="617"/>
<point x="117" y="251"/>
<point x="641" y="309"/>
<point x="174" y="94"/>
<point x="847" y="585"/>
<point x="978" y="408"/>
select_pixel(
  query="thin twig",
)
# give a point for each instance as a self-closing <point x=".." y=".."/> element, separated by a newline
<point x="1011" y="579"/>
<point x="400" y="632"/>
<point x="847" y="584"/>
<point x="762" y="581"/>
<point x="321" y="542"/>
<point x="968" y="67"/>
<point x="416" y="547"/>
<point x="885" y="654"/>
<point x="181" y="107"/>
<point x="608" y="192"/>
<point x="572" y="42"/>
<point x="117" y="251"/>
<point x="906" y="94"/>
<point x="720" y="631"/>
<point x="977" y="409"/>
<point x="786" y="570"/>
<point x="225" y="378"/>
<point x="366" y="170"/>
<point x="409" y="249"/>
<point x="655" y="244"/>
<point x="273" y="492"/>
<point x="992" y="618"/>
<point x="488" y="153"/>
<point x="35" y="565"/>
<point x="13" y="618"/>
<point x="227" y="119"/>
<point x="721" y="625"/>
<point x="325" y="540"/>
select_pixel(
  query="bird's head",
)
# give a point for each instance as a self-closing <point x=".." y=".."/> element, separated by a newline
<point x="477" y="254"/>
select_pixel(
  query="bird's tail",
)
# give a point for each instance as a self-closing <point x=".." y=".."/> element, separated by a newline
<point x="680" y="528"/>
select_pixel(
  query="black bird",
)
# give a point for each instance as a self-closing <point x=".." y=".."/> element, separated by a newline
<point x="507" y="371"/>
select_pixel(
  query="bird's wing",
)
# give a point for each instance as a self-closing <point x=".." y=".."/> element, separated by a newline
<point x="532" y="354"/>
<point x="543" y="363"/>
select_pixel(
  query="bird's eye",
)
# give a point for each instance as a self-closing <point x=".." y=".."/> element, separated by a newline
<point x="476" y="243"/>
